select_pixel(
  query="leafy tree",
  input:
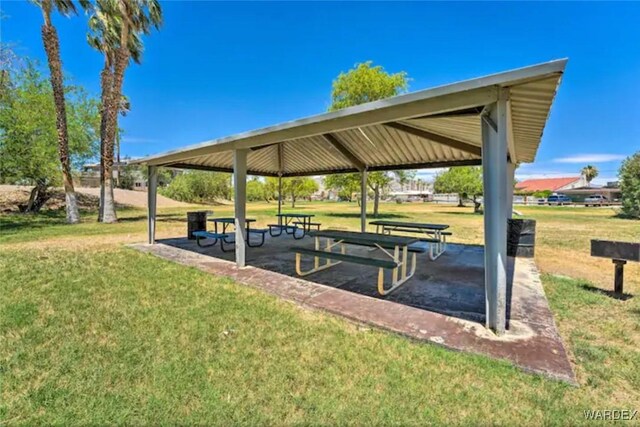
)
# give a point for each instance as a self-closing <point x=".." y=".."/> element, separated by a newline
<point x="127" y="177"/>
<point x="298" y="187"/>
<point x="466" y="181"/>
<point x="29" y="135"/>
<point x="270" y="188"/>
<point x="199" y="187"/>
<point x="590" y="173"/>
<point x="629" y="175"/>
<point x="257" y="190"/>
<point x="543" y="194"/>
<point x="365" y="83"/>
<point x="165" y="175"/>
<point x="346" y="184"/>
<point x="128" y="174"/>
<point x="116" y="27"/>
<point x="52" y="48"/>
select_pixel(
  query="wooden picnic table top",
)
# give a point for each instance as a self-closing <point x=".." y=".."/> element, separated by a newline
<point x="416" y="225"/>
<point x="229" y="220"/>
<point x="367" y="239"/>
<point x="296" y="215"/>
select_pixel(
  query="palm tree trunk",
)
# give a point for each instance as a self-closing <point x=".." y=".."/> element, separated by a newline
<point x="52" y="47"/>
<point x="122" y="59"/>
<point x="106" y="82"/>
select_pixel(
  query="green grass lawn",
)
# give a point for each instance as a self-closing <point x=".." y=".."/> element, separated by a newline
<point x="92" y="332"/>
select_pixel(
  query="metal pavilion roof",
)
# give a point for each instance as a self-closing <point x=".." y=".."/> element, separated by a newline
<point x="430" y="128"/>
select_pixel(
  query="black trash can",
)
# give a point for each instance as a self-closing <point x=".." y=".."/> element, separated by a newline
<point x="196" y="221"/>
<point x="521" y="237"/>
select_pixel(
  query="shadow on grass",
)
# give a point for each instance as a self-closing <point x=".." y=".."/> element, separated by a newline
<point x="610" y="294"/>
<point x="168" y="217"/>
<point x="14" y="223"/>
<point x="465" y="213"/>
<point x="17" y="221"/>
<point x="357" y="215"/>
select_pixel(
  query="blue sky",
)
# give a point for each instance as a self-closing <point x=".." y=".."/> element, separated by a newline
<point x="216" y="69"/>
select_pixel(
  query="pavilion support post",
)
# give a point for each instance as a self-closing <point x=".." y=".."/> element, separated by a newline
<point x="280" y="171"/>
<point x="494" y="171"/>
<point x="279" y="194"/>
<point x="511" y="176"/>
<point x="152" y="192"/>
<point x="240" y="203"/>
<point x="363" y="201"/>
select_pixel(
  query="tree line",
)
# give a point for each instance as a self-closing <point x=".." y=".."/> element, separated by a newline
<point x="85" y="126"/>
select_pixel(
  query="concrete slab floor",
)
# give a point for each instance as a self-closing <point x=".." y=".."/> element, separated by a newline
<point x="443" y="303"/>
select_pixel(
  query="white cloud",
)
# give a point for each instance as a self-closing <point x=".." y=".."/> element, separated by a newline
<point x="590" y="158"/>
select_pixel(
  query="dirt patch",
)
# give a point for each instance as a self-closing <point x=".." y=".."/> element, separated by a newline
<point x="135" y="198"/>
<point x="14" y="196"/>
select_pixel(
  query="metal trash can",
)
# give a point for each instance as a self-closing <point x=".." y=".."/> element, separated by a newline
<point x="196" y="221"/>
<point x="521" y="237"/>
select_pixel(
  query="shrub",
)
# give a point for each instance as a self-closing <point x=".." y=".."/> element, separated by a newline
<point x="199" y="187"/>
<point x="629" y="175"/>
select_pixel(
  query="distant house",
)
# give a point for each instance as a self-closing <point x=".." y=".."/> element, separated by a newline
<point x="323" y="193"/>
<point x="89" y="176"/>
<point x="409" y="190"/>
<point x="611" y="191"/>
<point x="551" y="184"/>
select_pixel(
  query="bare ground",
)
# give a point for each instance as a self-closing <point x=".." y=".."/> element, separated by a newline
<point x="12" y="196"/>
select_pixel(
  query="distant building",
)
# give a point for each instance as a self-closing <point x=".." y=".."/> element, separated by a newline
<point x="323" y="193"/>
<point x="411" y="188"/>
<point x="611" y="192"/>
<point x="90" y="176"/>
<point x="551" y="184"/>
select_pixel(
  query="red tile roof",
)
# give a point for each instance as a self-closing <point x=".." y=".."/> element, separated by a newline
<point x="552" y="184"/>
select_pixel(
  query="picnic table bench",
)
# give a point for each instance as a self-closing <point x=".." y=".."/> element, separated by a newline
<point x="436" y="234"/>
<point x="397" y="262"/>
<point x="286" y="222"/>
<point x="224" y="236"/>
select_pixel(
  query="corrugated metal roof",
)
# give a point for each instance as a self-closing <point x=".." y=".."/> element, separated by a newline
<point x="430" y="128"/>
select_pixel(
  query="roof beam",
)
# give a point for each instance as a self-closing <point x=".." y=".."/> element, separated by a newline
<point x="440" y="139"/>
<point x="468" y="112"/>
<point x="215" y="169"/>
<point x="280" y="159"/>
<point x="429" y="165"/>
<point x="348" y="154"/>
<point x="511" y="144"/>
<point x="468" y="162"/>
<point x="263" y="146"/>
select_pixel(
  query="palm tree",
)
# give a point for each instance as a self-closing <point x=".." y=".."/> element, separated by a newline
<point x="103" y="36"/>
<point x="116" y="29"/>
<point x="52" y="48"/>
<point x="589" y="172"/>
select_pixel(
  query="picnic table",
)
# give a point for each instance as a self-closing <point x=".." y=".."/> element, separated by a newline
<point x="396" y="248"/>
<point x="226" y="222"/>
<point x="223" y="236"/>
<point x="286" y="222"/>
<point x="436" y="234"/>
